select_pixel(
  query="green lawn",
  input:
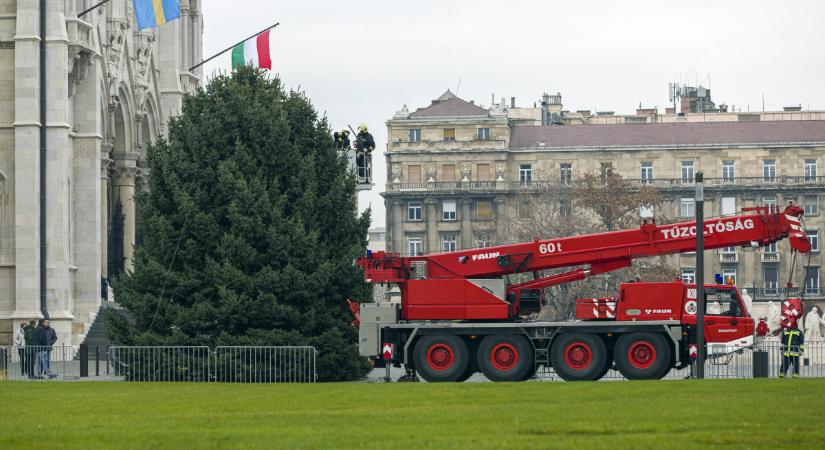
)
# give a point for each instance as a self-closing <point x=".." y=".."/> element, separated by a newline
<point x="674" y="414"/>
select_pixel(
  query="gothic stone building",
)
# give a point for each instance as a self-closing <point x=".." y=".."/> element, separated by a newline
<point x="457" y="172"/>
<point x="110" y="91"/>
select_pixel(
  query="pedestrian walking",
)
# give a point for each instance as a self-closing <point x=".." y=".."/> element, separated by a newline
<point x="20" y="343"/>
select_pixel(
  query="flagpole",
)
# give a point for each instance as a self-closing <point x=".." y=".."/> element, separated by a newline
<point x="92" y="8"/>
<point x="231" y="47"/>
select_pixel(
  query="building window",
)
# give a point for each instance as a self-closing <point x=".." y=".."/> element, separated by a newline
<point x="769" y="170"/>
<point x="483" y="134"/>
<point x="769" y="201"/>
<point x="415" y="134"/>
<point x="770" y="249"/>
<point x="728" y="206"/>
<point x="382" y="237"/>
<point x="448" y="210"/>
<point x="810" y="170"/>
<point x="646" y="172"/>
<point x="729" y="274"/>
<point x="483" y="241"/>
<point x="729" y="251"/>
<point x="448" y="172"/>
<point x="770" y="276"/>
<point x="525" y="173"/>
<point x="811" y="205"/>
<point x="686" y="208"/>
<point x="689" y="275"/>
<point x="449" y="134"/>
<point x="565" y="207"/>
<point x="813" y="238"/>
<point x="484" y="209"/>
<point x="566" y="173"/>
<point x="606" y="169"/>
<point x="483" y="172"/>
<point x="812" y="280"/>
<point x="414" y="174"/>
<point x="728" y="171"/>
<point x="448" y="243"/>
<point x="415" y="246"/>
<point x="413" y="211"/>
<point x="687" y="171"/>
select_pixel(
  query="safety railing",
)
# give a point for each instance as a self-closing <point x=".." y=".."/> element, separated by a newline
<point x="232" y="364"/>
<point x="38" y="362"/>
<point x="264" y="364"/>
<point x="743" y="363"/>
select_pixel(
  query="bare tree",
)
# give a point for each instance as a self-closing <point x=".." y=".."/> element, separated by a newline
<point x="592" y="204"/>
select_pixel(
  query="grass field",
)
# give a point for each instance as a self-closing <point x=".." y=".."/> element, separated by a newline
<point x="671" y="414"/>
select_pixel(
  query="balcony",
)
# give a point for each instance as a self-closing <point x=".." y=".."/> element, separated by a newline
<point x="770" y="257"/>
<point x="775" y="293"/>
<point x="475" y="186"/>
<point x="729" y="258"/>
<point x="448" y="144"/>
<point x="658" y="183"/>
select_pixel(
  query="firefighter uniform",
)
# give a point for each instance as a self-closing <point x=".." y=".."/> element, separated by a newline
<point x="793" y="344"/>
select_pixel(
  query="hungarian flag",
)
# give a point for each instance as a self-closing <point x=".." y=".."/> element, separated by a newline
<point x="254" y="52"/>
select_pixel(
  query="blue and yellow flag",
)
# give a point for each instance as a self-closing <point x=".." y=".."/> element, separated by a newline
<point x="154" y="13"/>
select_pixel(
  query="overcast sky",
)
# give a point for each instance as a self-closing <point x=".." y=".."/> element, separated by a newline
<point x="360" y="61"/>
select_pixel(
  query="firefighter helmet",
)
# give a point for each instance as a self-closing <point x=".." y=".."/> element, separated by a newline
<point x="362" y="127"/>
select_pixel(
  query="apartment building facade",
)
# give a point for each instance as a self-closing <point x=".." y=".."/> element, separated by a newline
<point x="457" y="173"/>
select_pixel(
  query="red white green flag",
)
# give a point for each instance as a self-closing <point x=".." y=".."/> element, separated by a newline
<point x="254" y="52"/>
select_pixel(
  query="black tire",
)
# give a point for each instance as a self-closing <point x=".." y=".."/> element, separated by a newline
<point x="643" y="356"/>
<point x="503" y="357"/>
<point x="579" y="356"/>
<point x="442" y="358"/>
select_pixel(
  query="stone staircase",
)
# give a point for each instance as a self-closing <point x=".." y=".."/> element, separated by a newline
<point x="96" y="337"/>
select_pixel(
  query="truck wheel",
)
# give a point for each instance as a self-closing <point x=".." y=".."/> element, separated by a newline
<point x="579" y="356"/>
<point x="442" y="358"/>
<point x="642" y="356"/>
<point x="505" y="357"/>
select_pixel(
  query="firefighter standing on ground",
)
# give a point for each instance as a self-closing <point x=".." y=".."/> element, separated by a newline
<point x="364" y="145"/>
<point x="793" y="344"/>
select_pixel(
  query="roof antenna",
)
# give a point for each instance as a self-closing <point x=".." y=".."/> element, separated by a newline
<point x="458" y="87"/>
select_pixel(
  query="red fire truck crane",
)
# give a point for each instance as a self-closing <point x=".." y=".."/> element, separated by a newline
<point x="457" y="316"/>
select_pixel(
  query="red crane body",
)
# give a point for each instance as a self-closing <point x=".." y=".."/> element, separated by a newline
<point x="456" y="285"/>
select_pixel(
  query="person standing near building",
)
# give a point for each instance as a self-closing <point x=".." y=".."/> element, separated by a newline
<point x="20" y="343"/>
<point x="46" y="337"/>
<point x="30" y="350"/>
<point x="793" y="344"/>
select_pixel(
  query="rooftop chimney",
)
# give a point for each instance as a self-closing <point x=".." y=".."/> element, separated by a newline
<point x="512" y="102"/>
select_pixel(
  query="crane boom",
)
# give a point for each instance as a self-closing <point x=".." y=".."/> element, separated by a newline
<point x="439" y="277"/>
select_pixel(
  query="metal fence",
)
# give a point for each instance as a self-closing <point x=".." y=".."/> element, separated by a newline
<point x="738" y="364"/>
<point x="34" y="362"/>
<point x="264" y="364"/>
<point x="236" y="364"/>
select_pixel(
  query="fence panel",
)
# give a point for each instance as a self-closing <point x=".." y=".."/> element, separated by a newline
<point x="236" y="364"/>
<point x="153" y="363"/>
<point x="738" y="364"/>
<point x="35" y="362"/>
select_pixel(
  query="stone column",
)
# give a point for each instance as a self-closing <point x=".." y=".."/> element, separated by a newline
<point x="500" y="215"/>
<point x="59" y="292"/>
<point x="125" y="185"/>
<point x="397" y="222"/>
<point x="26" y="177"/>
<point x="432" y="227"/>
<point x="466" y="224"/>
<point x="105" y="164"/>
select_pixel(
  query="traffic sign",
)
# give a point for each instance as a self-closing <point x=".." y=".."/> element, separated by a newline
<point x="387" y="350"/>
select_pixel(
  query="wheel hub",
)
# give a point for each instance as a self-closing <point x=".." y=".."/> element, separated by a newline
<point x="504" y="356"/>
<point x="578" y="355"/>
<point x="440" y="357"/>
<point x="641" y="354"/>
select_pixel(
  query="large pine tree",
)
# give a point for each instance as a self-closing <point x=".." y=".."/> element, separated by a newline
<point x="249" y="229"/>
